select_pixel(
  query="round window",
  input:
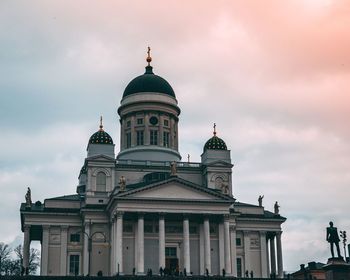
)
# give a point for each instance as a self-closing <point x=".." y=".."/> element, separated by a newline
<point x="153" y="120"/>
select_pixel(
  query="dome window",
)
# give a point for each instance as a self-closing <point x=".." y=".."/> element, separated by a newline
<point x="153" y="120"/>
<point x="153" y="137"/>
<point x="139" y="121"/>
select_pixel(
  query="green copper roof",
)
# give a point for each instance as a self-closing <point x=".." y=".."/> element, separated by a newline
<point x="101" y="137"/>
<point x="215" y="143"/>
<point x="149" y="82"/>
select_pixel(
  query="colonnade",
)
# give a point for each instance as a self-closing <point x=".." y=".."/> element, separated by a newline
<point x="117" y="244"/>
<point x="274" y="265"/>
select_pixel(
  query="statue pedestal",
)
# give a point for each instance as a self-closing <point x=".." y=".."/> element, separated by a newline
<point x="337" y="269"/>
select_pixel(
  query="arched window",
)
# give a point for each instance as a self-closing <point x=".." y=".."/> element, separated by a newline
<point x="101" y="182"/>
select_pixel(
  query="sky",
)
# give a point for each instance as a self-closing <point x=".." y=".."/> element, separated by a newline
<point x="273" y="75"/>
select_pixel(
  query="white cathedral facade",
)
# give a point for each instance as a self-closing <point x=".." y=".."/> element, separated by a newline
<point x="146" y="209"/>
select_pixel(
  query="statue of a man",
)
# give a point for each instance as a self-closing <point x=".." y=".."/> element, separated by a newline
<point x="333" y="238"/>
<point x="260" y="199"/>
<point x="28" y="198"/>
<point x="277" y="208"/>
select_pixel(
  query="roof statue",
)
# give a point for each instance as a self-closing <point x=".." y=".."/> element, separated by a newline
<point x="122" y="183"/>
<point x="260" y="199"/>
<point x="276" y="208"/>
<point x="333" y="238"/>
<point x="28" y="198"/>
<point x="173" y="171"/>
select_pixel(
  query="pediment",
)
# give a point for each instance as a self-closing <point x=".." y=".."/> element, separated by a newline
<point x="100" y="158"/>
<point x="175" y="189"/>
<point x="220" y="163"/>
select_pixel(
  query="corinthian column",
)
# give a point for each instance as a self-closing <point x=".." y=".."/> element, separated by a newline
<point x="161" y="241"/>
<point x="186" y="237"/>
<point x="279" y="255"/>
<point x="273" y="254"/>
<point x="227" y="245"/>
<point x="26" y="248"/>
<point x="207" y="259"/>
<point x="140" y="244"/>
<point x="119" y="243"/>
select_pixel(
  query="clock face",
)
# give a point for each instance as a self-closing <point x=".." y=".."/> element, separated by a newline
<point x="153" y="120"/>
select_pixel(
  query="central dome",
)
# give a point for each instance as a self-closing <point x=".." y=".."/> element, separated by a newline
<point x="149" y="82"/>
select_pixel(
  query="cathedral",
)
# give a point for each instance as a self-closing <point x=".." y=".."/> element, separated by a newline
<point x="143" y="209"/>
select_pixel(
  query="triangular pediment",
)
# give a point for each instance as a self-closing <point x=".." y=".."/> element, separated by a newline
<point x="175" y="189"/>
<point x="100" y="158"/>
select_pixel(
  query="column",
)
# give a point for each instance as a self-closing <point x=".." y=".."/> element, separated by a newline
<point x="201" y="249"/>
<point x="112" y="246"/>
<point x="233" y="251"/>
<point x="207" y="257"/>
<point x="227" y="245"/>
<point x="263" y="254"/>
<point x="279" y="255"/>
<point x="246" y="252"/>
<point x="63" y="257"/>
<point x="267" y="257"/>
<point x="119" y="243"/>
<point x="26" y="248"/>
<point x="273" y="254"/>
<point x="86" y="256"/>
<point x="161" y="241"/>
<point x="186" y="237"/>
<point x="140" y="244"/>
<point x="44" y="251"/>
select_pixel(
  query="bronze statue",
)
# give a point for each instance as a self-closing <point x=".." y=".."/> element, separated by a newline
<point x="333" y="238"/>
<point x="277" y="208"/>
<point x="260" y="199"/>
<point x="28" y="198"/>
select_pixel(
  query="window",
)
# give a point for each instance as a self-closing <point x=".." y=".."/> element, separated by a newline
<point x="101" y="182"/>
<point x="239" y="267"/>
<point x="128" y="123"/>
<point x="139" y="121"/>
<point x="153" y="137"/>
<point x="166" y="139"/>
<point x="128" y="140"/>
<point x="166" y="123"/>
<point x="139" y="138"/>
<point x="238" y="242"/>
<point x="170" y="251"/>
<point x="74" y="264"/>
<point x="75" y="237"/>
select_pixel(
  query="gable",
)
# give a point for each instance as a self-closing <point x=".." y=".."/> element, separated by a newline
<point x="174" y="190"/>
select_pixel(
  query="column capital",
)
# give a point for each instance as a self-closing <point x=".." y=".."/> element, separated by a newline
<point x="278" y="233"/>
<point x="186" y="216"/>
<point x="118" y="214"/>
<point x="270" y="234"/>
<point x="140" y="214"/>
<point x="26" y="227"/>
<point x="64" y="227"/>
<point x="161" y="215"/>
<point x="46" y="227"/>
<point x="233" y="227"/>
<point x="226" y="217"/>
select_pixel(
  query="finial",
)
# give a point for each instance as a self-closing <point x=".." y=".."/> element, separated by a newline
<point x="188" y="158"/>
<point x="214" y="129"/>
<point x="149" y="58"/>
<point x="101" y="125"/>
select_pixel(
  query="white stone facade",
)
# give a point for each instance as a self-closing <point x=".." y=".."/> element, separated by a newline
<point x="179" y="216"/>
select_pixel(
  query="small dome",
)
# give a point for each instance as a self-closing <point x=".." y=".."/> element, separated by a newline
<point x="149" y="82"/>
<point x="215" y="143"/>
<point x="101" y="137"/>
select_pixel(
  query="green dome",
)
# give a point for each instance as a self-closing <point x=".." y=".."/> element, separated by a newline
<point x="101" y="137"/>
<point x="149" y="82"/>
<point x="215" y="143"/>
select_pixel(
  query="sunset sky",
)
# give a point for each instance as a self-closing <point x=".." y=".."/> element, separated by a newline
<point x="273" y="75"/>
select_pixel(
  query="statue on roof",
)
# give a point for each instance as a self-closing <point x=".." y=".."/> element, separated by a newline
<point x="173" y="171"/>
<point x="277" y="208"/>
<point x="122" y="183"/>
<point x="260" y="199"/>
<point x="28" y="198"/>
<point x="333" y="238"/>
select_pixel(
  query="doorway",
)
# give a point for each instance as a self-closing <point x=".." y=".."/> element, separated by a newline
<point x="171" y="261"/>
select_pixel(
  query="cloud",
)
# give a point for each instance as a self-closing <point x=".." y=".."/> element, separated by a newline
<point x="274" y="77"/>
